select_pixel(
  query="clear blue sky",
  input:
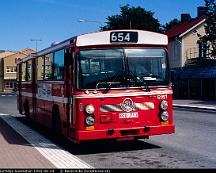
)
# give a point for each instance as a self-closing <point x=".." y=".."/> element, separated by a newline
<point x="57" y="20"/>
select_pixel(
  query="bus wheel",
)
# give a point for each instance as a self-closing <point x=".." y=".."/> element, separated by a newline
<point x="26" y="110"/>
<point x="56" y="124"/>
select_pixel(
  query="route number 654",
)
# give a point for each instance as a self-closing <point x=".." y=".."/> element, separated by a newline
<point x="123" y="37"/>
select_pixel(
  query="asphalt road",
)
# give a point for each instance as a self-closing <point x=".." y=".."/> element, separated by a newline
<point x="192" y="146"/>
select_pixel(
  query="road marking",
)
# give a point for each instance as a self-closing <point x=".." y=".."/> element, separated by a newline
<point x="195" y="106"/>
<point x="7" y="95"/>
<point x="56" y="155"/>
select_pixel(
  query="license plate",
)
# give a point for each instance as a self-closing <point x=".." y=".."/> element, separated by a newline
<point x="128" y="115"/>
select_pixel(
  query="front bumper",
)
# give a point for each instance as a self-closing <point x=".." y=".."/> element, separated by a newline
<point x="119" y="133"/>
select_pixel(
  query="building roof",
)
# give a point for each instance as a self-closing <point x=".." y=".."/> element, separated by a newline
<point x="5" y="53"/>
<point x="28" y="51"/>
<point x="24" y="52"/>
<point x="182" y="29"/>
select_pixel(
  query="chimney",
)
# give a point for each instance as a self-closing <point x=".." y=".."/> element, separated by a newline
<point x="185" y="17"/>
<point x="201" y="10"/>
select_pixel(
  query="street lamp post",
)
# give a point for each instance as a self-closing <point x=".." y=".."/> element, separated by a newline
<point x="92" y="21"/>
<point x="36" y="42"/>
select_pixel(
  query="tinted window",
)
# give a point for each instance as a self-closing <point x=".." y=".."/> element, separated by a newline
<point x="23" y="71"/>
<point x="96" y="66"/>
<point x="29" y="70"/>
<point x="59" y="65"/>
<point x="48" y="66"/>
<point x="40" y="67"/>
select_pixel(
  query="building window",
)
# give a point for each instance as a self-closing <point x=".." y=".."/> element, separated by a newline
<point x="10" y="85"/>
<point x="11" y="69"/>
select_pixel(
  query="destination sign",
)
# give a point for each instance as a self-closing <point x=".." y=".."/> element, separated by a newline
<point x="124" y="37"/>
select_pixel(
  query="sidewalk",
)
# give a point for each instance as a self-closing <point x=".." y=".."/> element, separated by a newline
<point x="16" y="152"/>
<point x="209" y="105"/>
<point x="23" y="147"/>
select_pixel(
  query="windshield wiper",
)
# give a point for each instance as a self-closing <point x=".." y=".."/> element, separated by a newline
<point x="116" y="76"/>
<point x="106" y="83"/>
<point x="139" y="79"/>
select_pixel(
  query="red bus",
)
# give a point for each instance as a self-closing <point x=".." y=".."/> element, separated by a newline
<point x="104" y="85"/>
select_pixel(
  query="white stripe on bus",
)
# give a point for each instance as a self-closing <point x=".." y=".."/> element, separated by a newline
<point x="51" y="98"/>
<point x="124" y="94"/>
<point x="89" y="96"/>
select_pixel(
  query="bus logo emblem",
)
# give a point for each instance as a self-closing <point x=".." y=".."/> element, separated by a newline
<point x="127" y="105"/>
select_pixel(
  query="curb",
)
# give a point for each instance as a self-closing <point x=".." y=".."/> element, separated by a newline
<point x="206" y="108"/>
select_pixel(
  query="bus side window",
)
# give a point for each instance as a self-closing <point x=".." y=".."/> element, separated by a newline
<point x="59" y="65"/>
<point x="40" y="67"/>
<point x="29" y="70"/>
<point x="24" y="71"/>
<point x="48" y="67"/>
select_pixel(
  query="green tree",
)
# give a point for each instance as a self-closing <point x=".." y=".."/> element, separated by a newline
<point x="133" y="18"/>
<point x="170" y="24"/>
<point x="210" y="27"/>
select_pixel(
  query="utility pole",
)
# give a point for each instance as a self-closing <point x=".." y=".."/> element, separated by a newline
<point x="36" y="42"/>
<point x="130" y="23"/>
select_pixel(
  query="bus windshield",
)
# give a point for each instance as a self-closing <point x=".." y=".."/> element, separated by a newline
<point x="120" y="68"/>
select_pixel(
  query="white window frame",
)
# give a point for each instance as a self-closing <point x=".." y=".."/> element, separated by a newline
<point x="9" y="84"/>
<point x="11" y="69"/>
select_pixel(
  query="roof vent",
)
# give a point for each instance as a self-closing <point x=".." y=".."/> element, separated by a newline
<point x="54" y="43"/>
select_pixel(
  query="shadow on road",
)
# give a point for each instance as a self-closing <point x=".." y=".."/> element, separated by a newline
<point x="11" y="136"/>
<point x="95" y="147"/>
<point x="90" y="147"/>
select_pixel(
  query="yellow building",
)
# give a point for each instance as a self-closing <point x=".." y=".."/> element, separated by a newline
<point x="193" y="70"/>
<point x="183" y="39"/>
<point x="8" y="68"/>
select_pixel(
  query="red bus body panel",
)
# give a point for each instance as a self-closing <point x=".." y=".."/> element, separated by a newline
<point x="146" y="124"/>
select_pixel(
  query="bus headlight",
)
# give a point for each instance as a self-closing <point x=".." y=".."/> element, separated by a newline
<point x="89" y="120"/>
<point x="89" y="109"/>
<point x="164" y="105"/>
<point x="164" y="116"/>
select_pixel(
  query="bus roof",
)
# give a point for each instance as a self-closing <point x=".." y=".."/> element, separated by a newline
<point x="103" y="38"/>
<point x="28" y="57"/>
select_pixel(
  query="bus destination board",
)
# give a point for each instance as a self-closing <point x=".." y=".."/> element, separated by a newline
<point x="123" y="37"/>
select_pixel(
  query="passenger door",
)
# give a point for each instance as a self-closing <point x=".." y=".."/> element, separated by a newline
<point x="19" y="94"/>
<point x="69" y="58"/>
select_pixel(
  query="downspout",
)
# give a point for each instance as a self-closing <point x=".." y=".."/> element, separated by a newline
<point x="181" y="51"/>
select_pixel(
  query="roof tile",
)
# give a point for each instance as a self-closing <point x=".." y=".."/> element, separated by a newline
<point x="181" y="28"/>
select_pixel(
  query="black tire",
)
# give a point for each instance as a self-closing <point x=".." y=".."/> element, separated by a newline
<point x="26" y="110"/>
<point x="56" y="124"/>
